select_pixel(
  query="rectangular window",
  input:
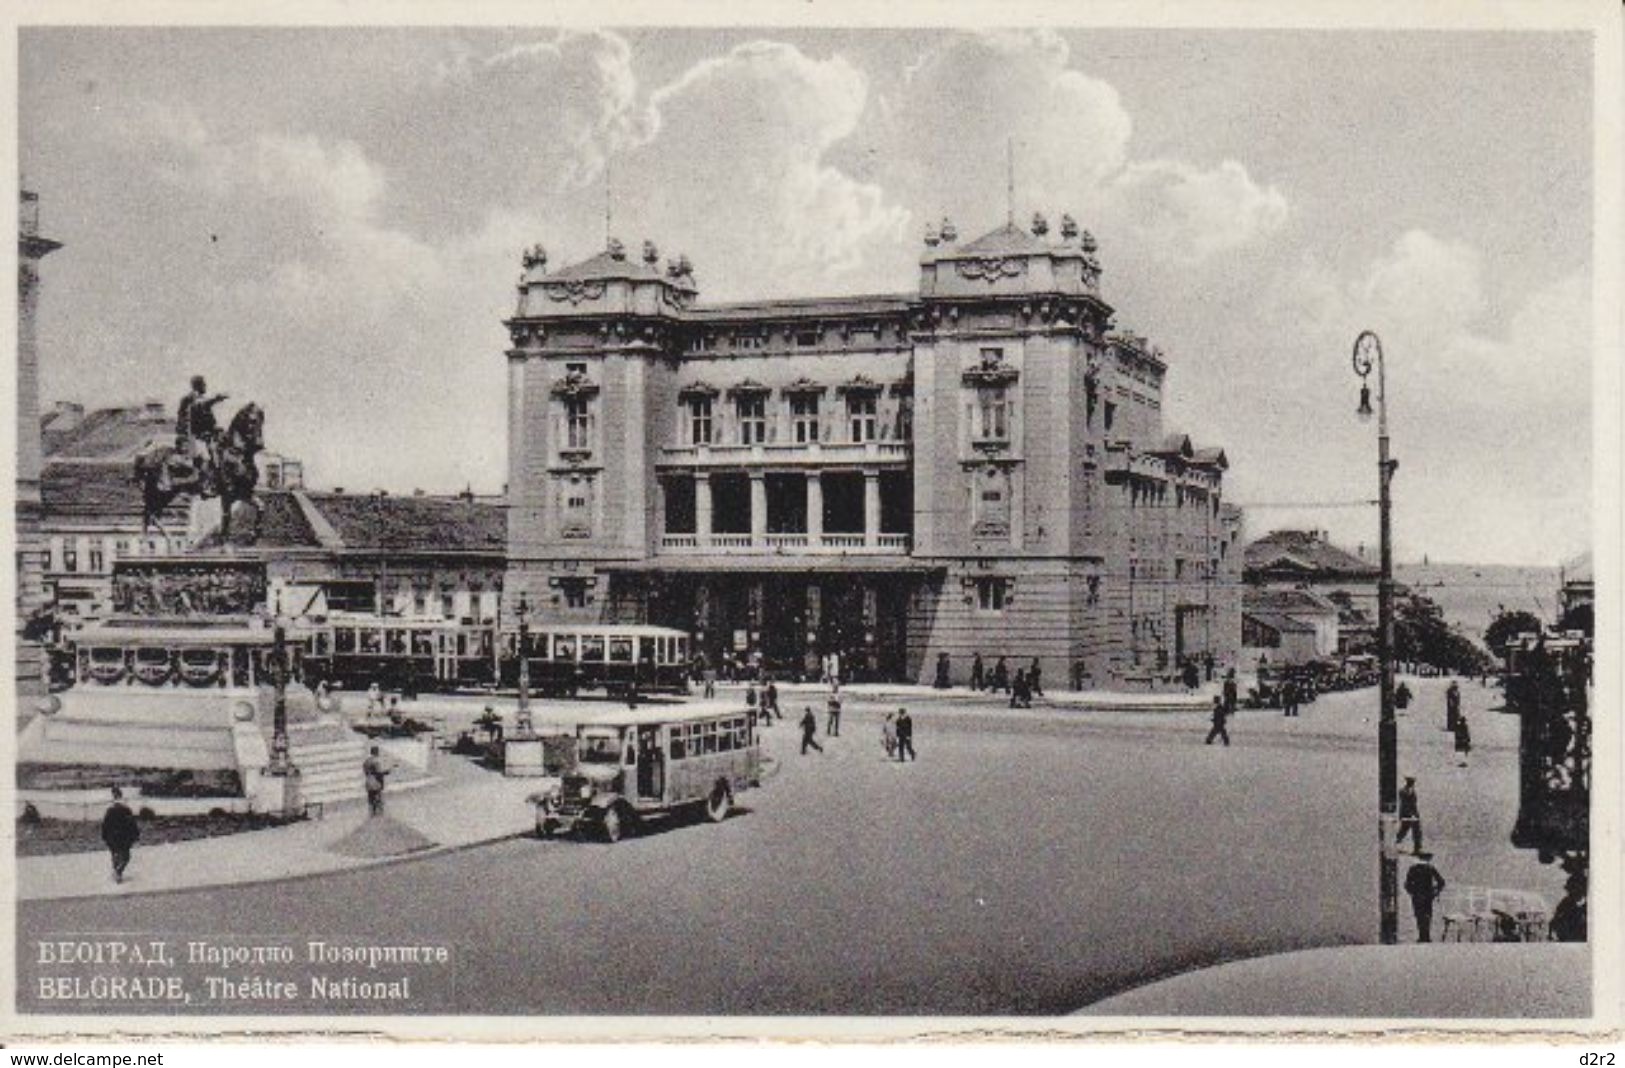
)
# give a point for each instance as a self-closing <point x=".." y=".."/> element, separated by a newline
<point x="860" y="410"/>
<point x="806" y="338"/>
<point x="679" y="742"/>
<point x="70" y="556"/>
<point x="991" y="594"/>
<point x="575" y="593"/>
<point x="752" y="419"/>
<point x="121" y="548"/>
<point x="750" y="341"/>
<point x="1111" y="413"/>
<point x="98" y="562"/>
<point x="448" y="605"/>
<point x="592" y="648"/>
<point x="578" y="423"/>
<point x="620" y="650"/>
<point x="699" y="421"/>
<point x="372" y="641"/>
<point x="804" y="417"/>
<point x="344" y="640"/>
<point x="992" y="415"/>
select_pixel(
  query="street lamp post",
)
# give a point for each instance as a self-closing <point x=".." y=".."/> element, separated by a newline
<point x="522" y="721"/>
<point x="1368" y="353"/>
<point x="280" y="763"/>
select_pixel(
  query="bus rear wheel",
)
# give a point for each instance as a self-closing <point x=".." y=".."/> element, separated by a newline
<point x="613" y="825"/>
<point x="719" y="804"/>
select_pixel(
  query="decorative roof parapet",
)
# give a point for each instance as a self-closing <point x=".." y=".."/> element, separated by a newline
<point x="804" y="385"/>
<point x="574" y="384"/>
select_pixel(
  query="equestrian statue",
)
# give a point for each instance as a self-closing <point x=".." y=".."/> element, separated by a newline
<point x="203" y="462"/>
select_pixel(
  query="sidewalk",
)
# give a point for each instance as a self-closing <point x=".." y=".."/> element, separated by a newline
<point x="1440" y="981"/>
<point x="462" y="806"/>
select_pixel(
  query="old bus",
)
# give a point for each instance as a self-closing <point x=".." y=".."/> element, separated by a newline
<point x="631" y="765"/>
<point x="620" y="659"/>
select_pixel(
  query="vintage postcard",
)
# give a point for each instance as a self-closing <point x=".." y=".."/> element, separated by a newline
<point x="609" y="521"/>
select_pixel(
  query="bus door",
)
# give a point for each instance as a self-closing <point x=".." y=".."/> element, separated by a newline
<point x="445" y="655"/>
<point x="651" y="764"/>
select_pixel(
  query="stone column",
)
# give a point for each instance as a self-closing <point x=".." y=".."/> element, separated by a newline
<point x="815" y="509"/>
<point x="702" y="508"/>
<point x="758" y="509"/>
<point x="871" y="508"/>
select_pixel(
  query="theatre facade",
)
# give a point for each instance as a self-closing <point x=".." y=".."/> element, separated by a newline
<point x="979" y="466"/>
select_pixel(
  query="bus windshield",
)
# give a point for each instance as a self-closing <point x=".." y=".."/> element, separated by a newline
<point x="599" y="749"/>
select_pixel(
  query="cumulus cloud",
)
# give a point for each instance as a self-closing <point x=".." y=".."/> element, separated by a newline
<point x="1184" y="214"/>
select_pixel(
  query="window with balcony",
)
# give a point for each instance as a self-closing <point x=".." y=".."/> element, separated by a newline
<point x="861" y="414"/>
<point x="699" y="421"/>
<point x="752" y="419"/>
<point x="804" y="418"/>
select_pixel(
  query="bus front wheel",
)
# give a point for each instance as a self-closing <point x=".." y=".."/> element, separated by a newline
<point x="612" y="825"/>
<point x="718" y="805"/>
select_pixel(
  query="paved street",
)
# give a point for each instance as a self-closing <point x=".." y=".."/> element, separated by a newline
<point x="1030" y="862"/>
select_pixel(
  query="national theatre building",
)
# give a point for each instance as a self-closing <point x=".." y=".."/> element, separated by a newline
<point x="978" y="466"/>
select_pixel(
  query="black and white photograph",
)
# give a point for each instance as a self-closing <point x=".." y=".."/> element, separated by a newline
<point x="820" y="521"/>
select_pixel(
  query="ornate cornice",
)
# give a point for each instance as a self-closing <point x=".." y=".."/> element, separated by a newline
<point x="991" y="269"/>
<point x="699" y="388"/>
<point x="804" y="386"/>
<point x="575" y="384"/>
<point x="749" y="387"/>
<point x="859" y="383"/>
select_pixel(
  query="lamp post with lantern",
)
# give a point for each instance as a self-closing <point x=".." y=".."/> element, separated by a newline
<point x="1368" y="355"/>
<point x="523" y="752"/>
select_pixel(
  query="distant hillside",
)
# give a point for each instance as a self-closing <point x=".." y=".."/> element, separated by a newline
<point x="1471" y="594"/>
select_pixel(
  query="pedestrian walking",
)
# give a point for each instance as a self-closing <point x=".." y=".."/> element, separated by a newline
<point x="1035" y="680"/>
<point x="1410" y="817"/>
<point x="832" y="724"/>
<point x="976" y="679"/>
<point x="905" y="736"/>
<point x="1289" y="697"/>
<point x="1189" y="676"/>
<point x="710" y="682"/>
<point x="1001" y="677"/>
<point x="750" y="698"/>
<point x="374" y="771"/>
<point x="1452" y="706"/>
<point x="770" y="702"/>
<point x="120" y="832"/>
<point x="1424" y="883"/>
<point x="1220" y="714"/>
<point x="809" y="728"/>
<point x="888" y="735"/>
<point x="1464" y="741"/>
<point x="1229" y="691"/>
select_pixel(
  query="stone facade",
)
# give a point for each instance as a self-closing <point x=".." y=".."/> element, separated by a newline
<point x="979" y="466"/>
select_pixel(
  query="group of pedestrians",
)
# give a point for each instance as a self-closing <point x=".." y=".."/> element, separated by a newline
<point x="1022" y="687"/>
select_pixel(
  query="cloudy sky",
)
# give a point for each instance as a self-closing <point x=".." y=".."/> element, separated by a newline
<point x="330" y="222"/>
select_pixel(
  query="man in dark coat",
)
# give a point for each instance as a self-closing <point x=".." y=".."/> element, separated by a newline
<point x="1035" y="679"/>
<point x="809" y="728"/>
<point x="1410" y="816"/>
<point x="1424" y="883"/>
<point x="374" y="770"/>
<point x="976" y="672"/>
<point x="905" y="736"/>
<point x="1220" y="714"/>
<point x="120" y="832"/>
<point x="1230" y="692"/>
<point x="1001" y="677"/>
<point x="1452" y="706"/>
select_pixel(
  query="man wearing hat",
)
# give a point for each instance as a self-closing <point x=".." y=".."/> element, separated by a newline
<point x="1424" y="883"/>
<point x="1410" y="817"/>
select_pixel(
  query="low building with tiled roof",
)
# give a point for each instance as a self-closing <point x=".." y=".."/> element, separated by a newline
<point x="416" y="556"/>
<point x="1288" y="564"/>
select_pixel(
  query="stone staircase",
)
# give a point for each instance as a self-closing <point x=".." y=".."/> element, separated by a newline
<point x="329" y="758"/>
<point x="66" y="739"/>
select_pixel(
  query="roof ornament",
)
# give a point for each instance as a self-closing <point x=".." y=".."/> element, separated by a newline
<point x="651" y="254"/>
<point x="678" y="268"/>
<point x="931" y="238"/>
<point x="949" y="234"/>
<point x="535" y="256"/>
<point x="1089" y="242"/>
<point x="1040" y="224"/>
<point x="617" y="251"/>
<point x="1069" y="228"/>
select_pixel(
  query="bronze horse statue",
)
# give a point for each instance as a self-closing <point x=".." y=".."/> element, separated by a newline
<point x="163" y="474"/>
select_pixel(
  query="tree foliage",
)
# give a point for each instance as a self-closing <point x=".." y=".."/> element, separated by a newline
<point x="1507" y="625"/>
<point x="1422" y="636"/>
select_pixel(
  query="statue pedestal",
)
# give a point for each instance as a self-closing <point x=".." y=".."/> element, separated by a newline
<point x="277" y="794"/>
<point x="523" y="756"/>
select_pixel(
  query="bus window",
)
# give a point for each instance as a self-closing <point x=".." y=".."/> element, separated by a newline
<point x="725" y="737"/>
<point x="592" y="648"/>
<point x="423" y="643"/>
<point x="646" y="650"/>
<point x="344" y="640"/>
<point x="620" y="650"/>
<point x="741" y="733"/>
<point x="395" y="641"/>
<point x="372" y="641"/>
<point x="708" y="738"/>
<point x="564" y="647"/>
<point x="679" y="741"/>
<point x="682" y="647"/>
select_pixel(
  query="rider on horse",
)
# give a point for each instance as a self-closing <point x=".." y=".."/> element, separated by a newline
<point x="196" y="432"/>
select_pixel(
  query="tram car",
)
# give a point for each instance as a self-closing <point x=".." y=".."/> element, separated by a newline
<point x="620" y="660"/>
<point x="411" y="656"/>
